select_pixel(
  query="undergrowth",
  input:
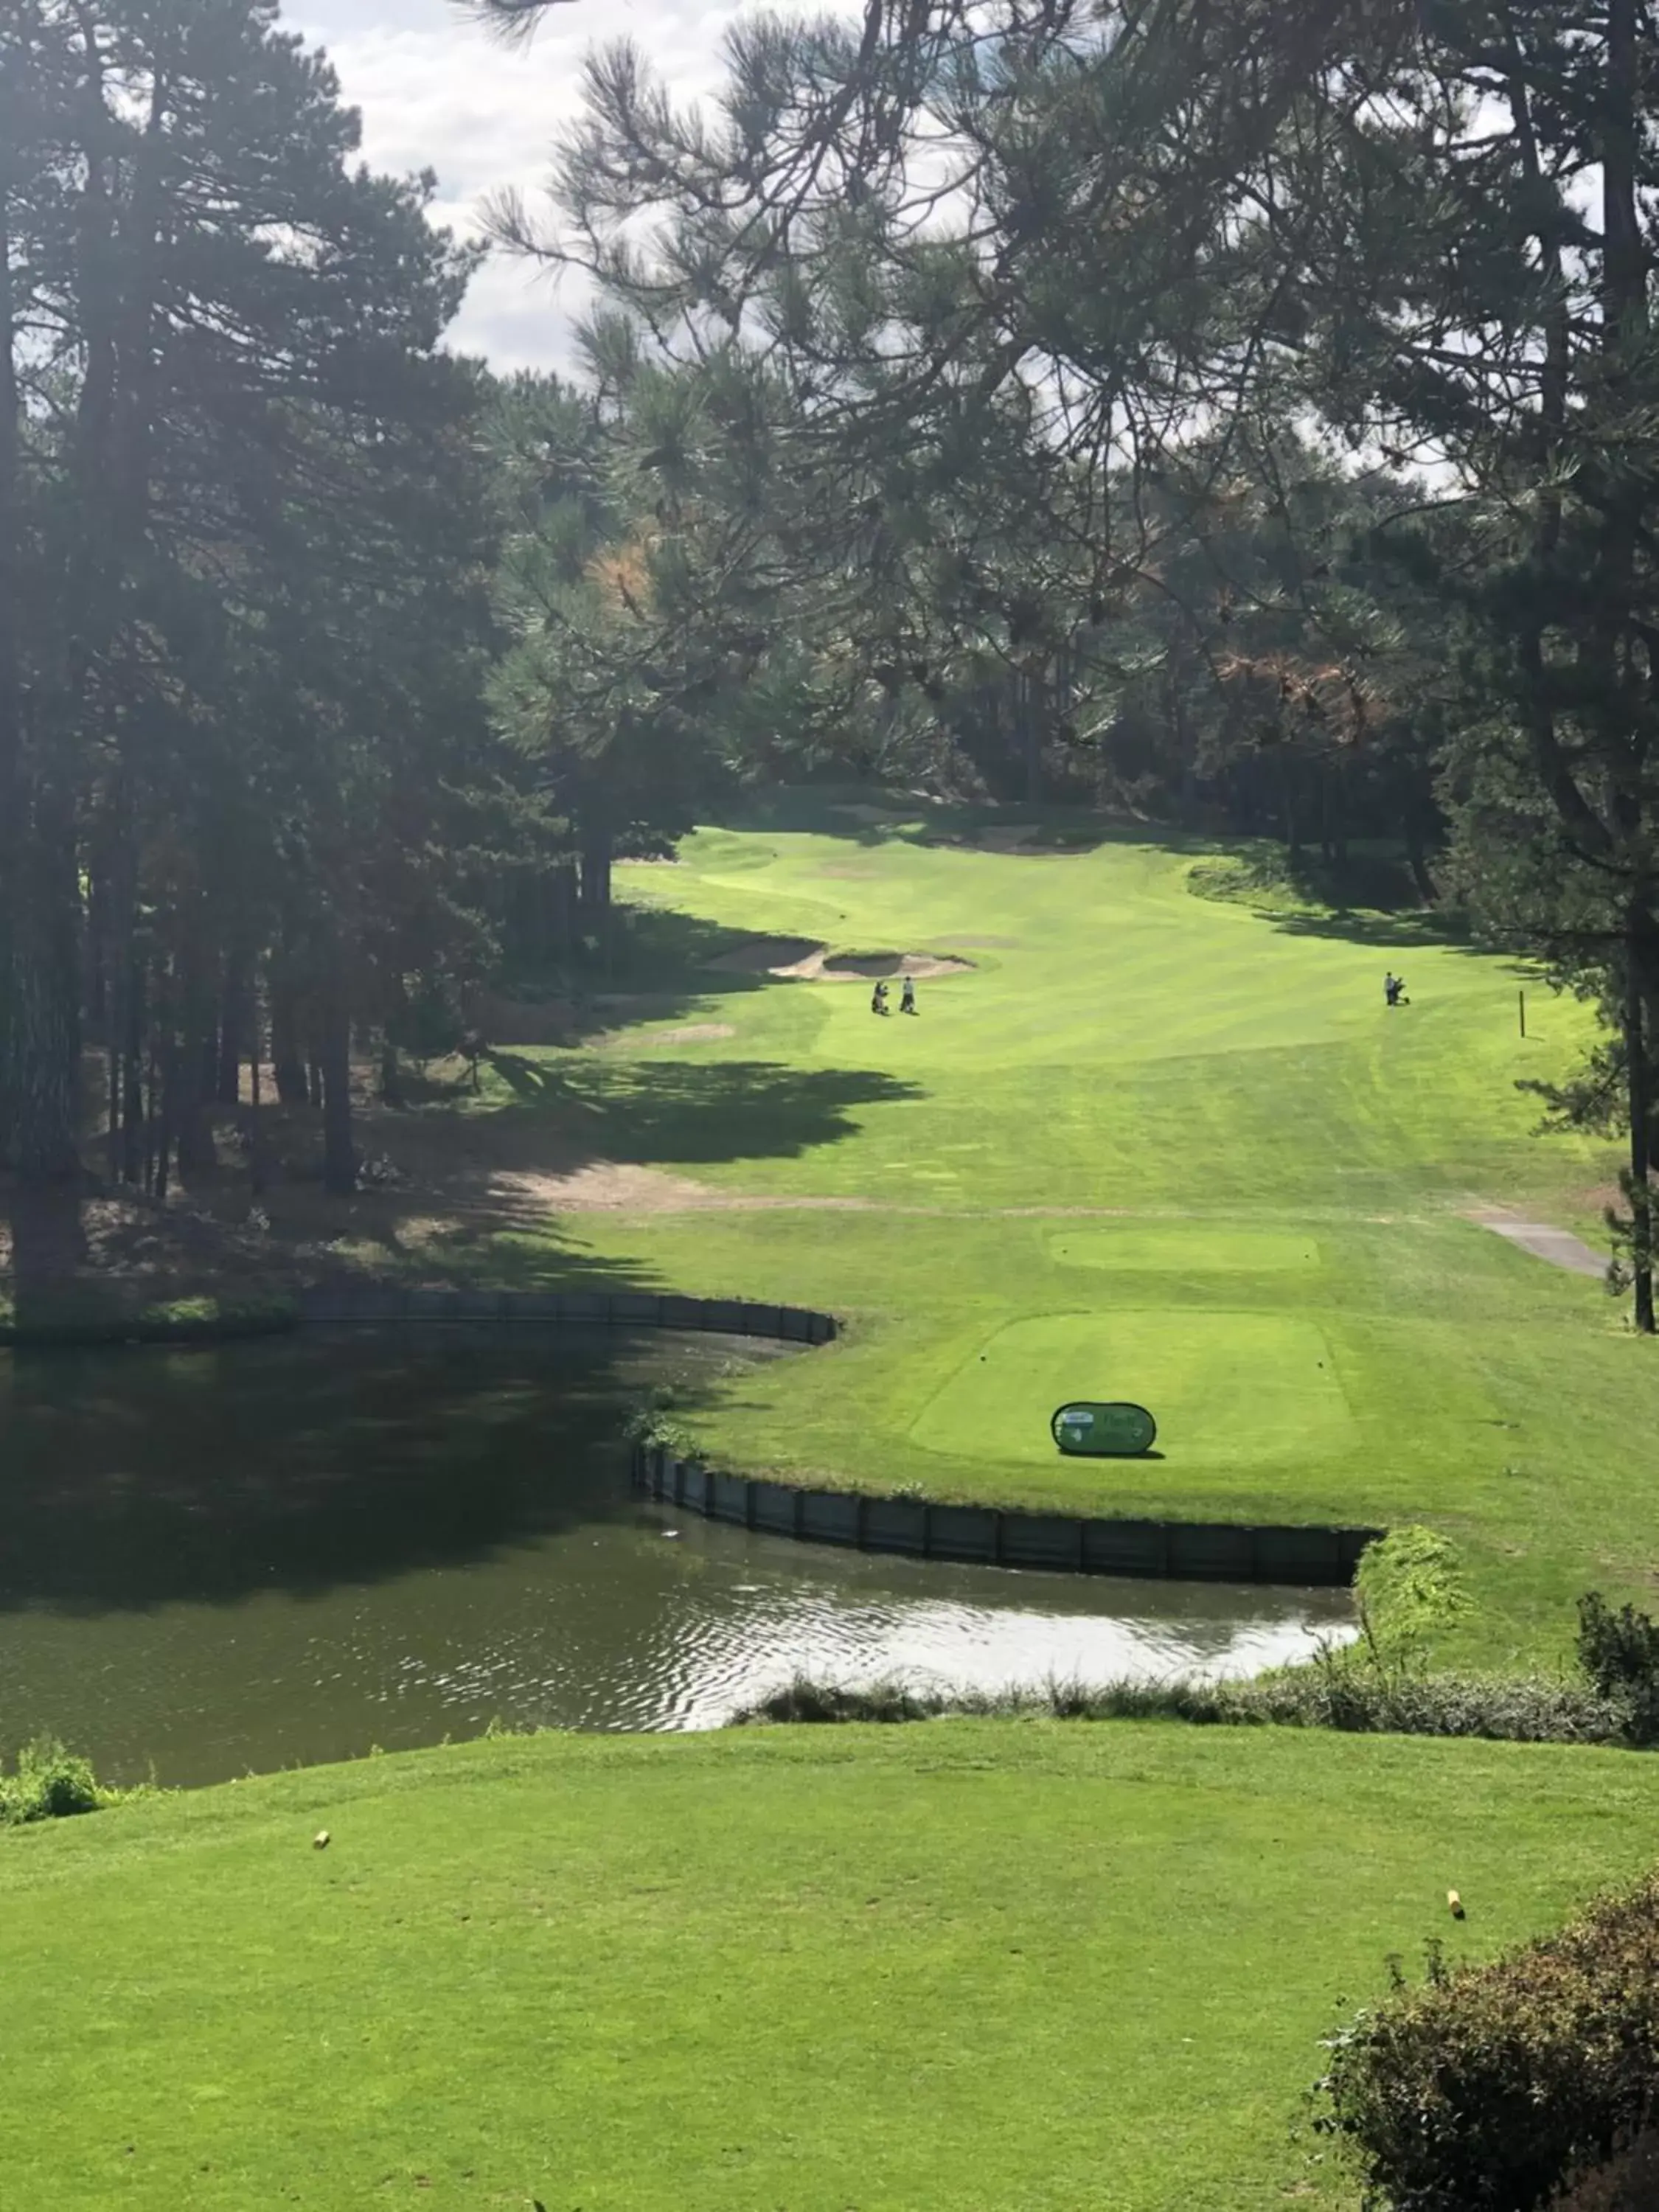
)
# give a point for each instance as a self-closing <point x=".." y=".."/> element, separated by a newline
<point x="48" y="1781"/>
<point x="1409" y="1590"/>
<point x="1347" y="1698"/>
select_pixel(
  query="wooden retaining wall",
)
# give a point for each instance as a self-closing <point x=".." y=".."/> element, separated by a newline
<point x="604" y="1309"/>
<point x="1171" y="1551"/>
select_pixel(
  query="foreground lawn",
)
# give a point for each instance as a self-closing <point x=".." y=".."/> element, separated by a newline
<point x="1151" y="1146"/>
<point x="971" y="1965"/>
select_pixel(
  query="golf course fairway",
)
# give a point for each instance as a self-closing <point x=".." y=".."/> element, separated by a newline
<point x="1136" y="1143"/>
<point x="1150" y="1144"/>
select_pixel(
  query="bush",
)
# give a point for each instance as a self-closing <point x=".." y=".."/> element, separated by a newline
<point x="1620" y="1655"/>
<point x="48" y="1783"/>
<point x="1354" y="1700"/>
<point x="651" y="1425"/>
<point x="1504" y="1710"/>
<point x="1496" y="2087"/>
<point x="804" y="1699"/>
<point x="1628" y="2183"/>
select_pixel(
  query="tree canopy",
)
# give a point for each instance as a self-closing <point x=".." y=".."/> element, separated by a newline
<point x="1246" y="414"/>
<point x="1266" y="394"/>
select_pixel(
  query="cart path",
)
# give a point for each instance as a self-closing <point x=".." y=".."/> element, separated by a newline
<point x="1558" y="1246"/>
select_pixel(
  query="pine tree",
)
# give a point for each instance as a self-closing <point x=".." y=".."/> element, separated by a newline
<point x="246" y="493"/>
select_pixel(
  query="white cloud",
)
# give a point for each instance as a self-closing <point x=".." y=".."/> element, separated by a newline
<point x="437" y="92"/>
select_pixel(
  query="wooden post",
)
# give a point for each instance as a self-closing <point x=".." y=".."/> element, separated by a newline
<point x="1523" y="997"/>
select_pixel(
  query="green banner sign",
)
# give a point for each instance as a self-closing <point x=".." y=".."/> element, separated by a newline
<point x="1097" y="1431"/>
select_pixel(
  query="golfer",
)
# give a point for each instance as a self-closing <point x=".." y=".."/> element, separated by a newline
<point x="907" y="996"/>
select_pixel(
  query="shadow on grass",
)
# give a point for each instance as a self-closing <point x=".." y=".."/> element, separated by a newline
<point x="655" y="964"/>
<point x="1399" y="931"/>
<point x="1369" y="899"/>
<point x="131" y="1478"/>
<point x="447" y="1181"/>
<point x="140" y="1479"/>
<point x="872" y="819"/>
<point x="656" y="1112"/>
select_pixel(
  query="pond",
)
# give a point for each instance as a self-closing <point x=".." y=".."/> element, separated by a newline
<point x="232" y="1560"/>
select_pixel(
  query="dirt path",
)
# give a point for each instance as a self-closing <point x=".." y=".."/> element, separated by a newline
<point x="614" y="1187"/>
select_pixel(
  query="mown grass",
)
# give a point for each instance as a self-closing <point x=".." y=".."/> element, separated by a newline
<point x="1026" y="1966"/>
<point x="1155" y="1146"/>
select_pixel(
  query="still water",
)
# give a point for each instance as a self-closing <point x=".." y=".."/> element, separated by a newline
<point x="262" y="1555"/>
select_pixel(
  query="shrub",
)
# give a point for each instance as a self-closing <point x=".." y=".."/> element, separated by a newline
<point x="804" y="1699"/>
<point x="1620" y="1655"/>
<point x="650" y="1430"/>
<point x="1495" y="2087"/>
<point x="650" y="1424"/>
<point x="1628" y="2183"/>
<point x="1355" y="1700"/>
<point x="49" y="1784"/>
<point x="1505" y="1709"/>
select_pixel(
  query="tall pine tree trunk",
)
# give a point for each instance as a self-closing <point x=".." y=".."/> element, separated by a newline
<point x="596" y="874"/>
<point x="1289" y="817"/>
<point x="122" y="995"/>
<point x="1638" y="1045"/>
<point x="132" y="1090"/>
<point x="45" y="1047"/>
<point x="339" y="1155"/>
<point x="164" y="1085"/>
<point x="287" y="1061"/>
<point x="1029" y="695"/>
<point x="1417" y="857"/>
<point x="258" y="1149"/>
<point x="566" y="909"/>
<point x="195" y="1063"/>
<point x="1624" y="274"/>
<point x="46" y="993"/>
<point x="232" y="1024"/>
<point x="11" y="699"/>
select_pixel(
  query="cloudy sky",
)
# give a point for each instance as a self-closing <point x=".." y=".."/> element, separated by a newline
<point x="436" y="91"/>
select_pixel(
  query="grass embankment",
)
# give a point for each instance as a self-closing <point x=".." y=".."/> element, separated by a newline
<point x="1155" y="1146"/>
<point x="965" y="1965"/>
<point x="115" y="1314"/>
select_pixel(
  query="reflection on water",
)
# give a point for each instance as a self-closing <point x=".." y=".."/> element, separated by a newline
<point x="214" y="1561"/>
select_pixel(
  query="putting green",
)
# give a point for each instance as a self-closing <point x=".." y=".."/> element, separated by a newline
<point x="1224" y="1388"/>
<point x="1186" y="1248"/>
